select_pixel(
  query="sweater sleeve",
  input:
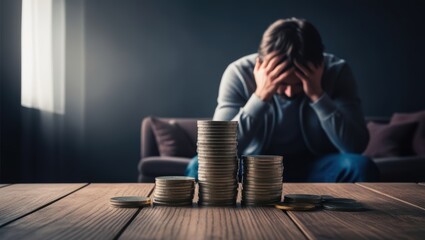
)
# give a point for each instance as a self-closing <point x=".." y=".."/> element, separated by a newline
<point x="233" y="104"/>
<point x="341" y="116"/>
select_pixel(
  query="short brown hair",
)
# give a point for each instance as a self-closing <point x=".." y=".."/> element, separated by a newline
<point x="297" y="38"/>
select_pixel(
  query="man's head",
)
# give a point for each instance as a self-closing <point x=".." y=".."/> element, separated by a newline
<point x="299" y="41"/>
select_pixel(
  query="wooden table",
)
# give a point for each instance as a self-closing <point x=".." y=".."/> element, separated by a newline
<point x="82" y="211"/>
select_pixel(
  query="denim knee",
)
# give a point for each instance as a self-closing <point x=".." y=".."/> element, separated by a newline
<point x="359" y="167"/>
<point x="192" y="168"/>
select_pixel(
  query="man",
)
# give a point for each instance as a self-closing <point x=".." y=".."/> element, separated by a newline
<point x="294" y="100"/>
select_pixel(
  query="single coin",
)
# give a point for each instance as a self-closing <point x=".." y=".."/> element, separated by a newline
<point x="130" y="201"/>
<point x="326" y="197"/>
<point x="303" y="198"/>
<point x="174" y="178"/>
<point x="295" y="206"/>
<point x="339" y="200"/>
<point x="342" y="206"/>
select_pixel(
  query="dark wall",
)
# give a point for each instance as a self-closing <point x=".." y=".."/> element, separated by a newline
<point x="137" y="58"/>
<point x="10" y="90"/>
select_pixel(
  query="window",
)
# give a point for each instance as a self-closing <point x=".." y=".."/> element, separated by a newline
<point x="43" y="55"/>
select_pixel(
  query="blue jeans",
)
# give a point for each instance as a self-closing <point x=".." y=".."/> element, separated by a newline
<point x="344" y="167"/>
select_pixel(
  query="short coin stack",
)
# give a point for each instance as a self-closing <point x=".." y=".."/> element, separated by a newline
<point x="174" y="191"/>
<point x="130" y="201"/>
<point x="262" y="180"/>
<point x="218" y="163"/>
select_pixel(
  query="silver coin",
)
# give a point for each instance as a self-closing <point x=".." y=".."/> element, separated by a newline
<point x="174" y="187"/>
<point x="218" y="161"/>
<point x="216" y="122"/>
<point x="208" y="136"/>
<point x="227" y="144"/>
<point x="130" y="201"/>
<point x="171" y="190"/>
<point x="174" y="179"/>
<point x="218" y="167"/>
<point x="218" y="192"/>
<point x="343" y="206"/>
<point x="217" y="173"/>
<point x="303" y="198"/>
<point x="216" y="156"/>
<point x="215" y="137"/>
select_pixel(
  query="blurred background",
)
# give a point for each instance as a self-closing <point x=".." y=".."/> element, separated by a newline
<point x="128" y="59"/>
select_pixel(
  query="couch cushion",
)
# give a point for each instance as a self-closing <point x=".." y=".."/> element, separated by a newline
<point x="171" y="139"/>
<point x="163" y="166"/>
<point x="418" y="144"/>
<point x="388" y="140"/>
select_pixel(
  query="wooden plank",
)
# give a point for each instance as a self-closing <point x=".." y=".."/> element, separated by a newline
<point x="410" y="193"/>
<point x="385" y="218"/>
<point x="212" y="223"/>
<point x="19" y="200"/>
<point x="86" y="214"/>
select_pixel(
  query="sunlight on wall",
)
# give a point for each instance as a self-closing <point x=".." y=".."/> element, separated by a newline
<point x="43" y="55"/>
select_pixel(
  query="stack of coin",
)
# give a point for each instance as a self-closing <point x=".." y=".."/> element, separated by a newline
<point x="262" y="179"/>
<point x="218" y="163"/>
<point x="174" y="191"/>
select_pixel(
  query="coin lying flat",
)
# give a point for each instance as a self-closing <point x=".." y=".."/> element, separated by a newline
<point x="343" y="206"/>
<point x="339" y="200"/>
<point x="130" y="201"/>
<point x="303" y="198"/>
<point x="174" y="178"/>
<point x="295" y="206"/>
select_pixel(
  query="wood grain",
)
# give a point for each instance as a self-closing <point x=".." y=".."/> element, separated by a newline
<point x="386" y="218"/>
<point x="212" y="223"/>
<point x="20" y="199"/>
<point x="410" y="193"/>
<point x="86" y="214"/>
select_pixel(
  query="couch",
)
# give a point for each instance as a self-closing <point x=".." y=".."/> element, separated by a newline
<point x="392" y="168"/>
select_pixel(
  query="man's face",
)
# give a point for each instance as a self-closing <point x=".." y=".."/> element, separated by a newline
<point x="291" y="87"/>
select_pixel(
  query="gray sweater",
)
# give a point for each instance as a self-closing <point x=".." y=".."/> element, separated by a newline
<point x="334" y="123"/>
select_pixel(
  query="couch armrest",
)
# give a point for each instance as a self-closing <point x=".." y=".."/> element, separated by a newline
<point x="148" y="146"/>
<point x="152" y="167"/>
<point x="401" y="169"/>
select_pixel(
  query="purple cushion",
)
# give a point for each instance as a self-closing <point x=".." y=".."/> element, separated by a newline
<point x="388" y="140"/>
<point x="171" y="139"/>
<point x="418" y="144"/>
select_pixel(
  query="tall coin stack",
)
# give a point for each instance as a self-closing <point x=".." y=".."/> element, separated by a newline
<point x="218" y="163"/>
<point x="262" y="179"/>
<point x="174" y="190"/>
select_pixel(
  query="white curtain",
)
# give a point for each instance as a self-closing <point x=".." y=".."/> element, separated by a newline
<point x="43" y="55"/>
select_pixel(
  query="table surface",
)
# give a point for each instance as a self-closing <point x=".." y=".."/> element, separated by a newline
<point x="82" y="211"/>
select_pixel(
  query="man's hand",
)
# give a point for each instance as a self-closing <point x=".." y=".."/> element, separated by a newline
<point x="311" y="77"/>
<point x="269" y="74"/>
